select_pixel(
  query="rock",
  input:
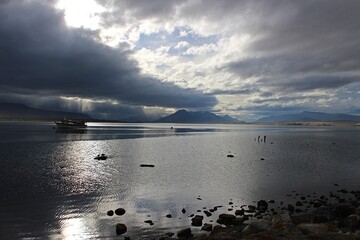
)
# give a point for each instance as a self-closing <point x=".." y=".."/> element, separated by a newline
<point x="298" y="210"/>
<point x="343" y="190"/>
<point x="298" y="203"/>
<point x="291" y="208"/>
<point x="169" y="216"/>
<point x="320" y="219"/>
<point x="211" y="210"/>
<point x="149" y="222"/>
<point x="231" y="203"/>
<point x="120" y="229"/>
<point x="313" y="228"/>
<point x="271" y="201"/>
<point x="262" y="205"/>
<point x="344" y="210"/>
<point x="226" y="219"/>
<point x="239" y="212"/>
<point x="110" y="212"/>
<point x="207" y="227"/>
<point x="352" y="221"/>
<point x="230" y="155"/>
<point x="251" y="209"/>
<point x="197" y="221"/>
<point x="262" y="159"/>
<point x="207" y="213"/>
<point x="183" y="210"/>
<point x="169" y="234"/>
<point x="147" y="165"/>
<point x="120" y="211"/>
<point x="317" y="203"/>
<point x="184" y="233"/>
<point x="255" y="227"/>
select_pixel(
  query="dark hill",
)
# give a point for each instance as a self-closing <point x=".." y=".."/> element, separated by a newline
<point x="183" y="116"/>
<point x="23" y="112"/>
<point x="312" y="117"/>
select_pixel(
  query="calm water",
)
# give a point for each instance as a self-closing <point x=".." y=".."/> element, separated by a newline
<point x="51" y="187"/>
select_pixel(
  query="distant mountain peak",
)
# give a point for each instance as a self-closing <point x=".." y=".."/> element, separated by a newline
<point x="308" y="116"/>
<point x="184" y="116"/>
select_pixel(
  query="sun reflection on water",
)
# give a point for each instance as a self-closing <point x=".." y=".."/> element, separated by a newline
<point x="73" y="228"/>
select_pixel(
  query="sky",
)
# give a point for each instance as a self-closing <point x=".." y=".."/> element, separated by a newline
<point x="140" y="59"/>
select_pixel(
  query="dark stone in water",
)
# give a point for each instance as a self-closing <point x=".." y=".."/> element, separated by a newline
<point x="226" y="219"/>
<point x="230" y="155"/>
<point x="262" y="159"/>
<point x="207" y="213"/>
<point x="101" y="157"/>
<point x="207" y="227"/>
<point x="149" y="222"/>
<point x="231" y="203"/>
<point x="262" y="205"/>
<point x="298" y="203"/>
<point x="120" y="211"/>
<point x="240" y="212"/>
<point x="184" y="233"/>
<point x="120" y="229"/>
<point x="183" y="210"/>
<point x="169" y="216"/>
<point x="251" y="209"/>
<point x="291" y="208"/>
<point x="147" y="165"/>
<point x="110" y="213"/>
<point x="320" y="219"/>
<point x="197" y="221"/>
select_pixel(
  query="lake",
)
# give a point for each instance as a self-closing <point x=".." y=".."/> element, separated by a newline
<point x="52" y="187"/>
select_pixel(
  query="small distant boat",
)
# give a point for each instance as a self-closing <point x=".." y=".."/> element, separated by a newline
<point x="101" y="157"/>
<point x="67" y="123"/>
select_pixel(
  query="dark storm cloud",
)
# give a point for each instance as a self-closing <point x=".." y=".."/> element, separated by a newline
<point x="307" y="83"/>
<point x="306" y="45"/>
<point x="40" y="55"/>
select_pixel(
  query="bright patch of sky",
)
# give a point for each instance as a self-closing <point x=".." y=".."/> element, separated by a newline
<point x="178" y="41"/>
<point x="81" y="13"/>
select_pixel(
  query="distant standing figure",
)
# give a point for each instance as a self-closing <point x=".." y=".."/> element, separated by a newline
<point x="264" y="138"/>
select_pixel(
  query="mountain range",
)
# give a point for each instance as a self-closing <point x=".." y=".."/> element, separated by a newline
<point x="312" y="117"/>
<point x="183" y="116"/>
<point x="21" y="111"/>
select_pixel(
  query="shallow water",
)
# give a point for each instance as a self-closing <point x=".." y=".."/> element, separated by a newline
<point x="51" y="186"/>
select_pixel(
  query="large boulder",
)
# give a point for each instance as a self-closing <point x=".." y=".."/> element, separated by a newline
<point x="120" y="228"/>
<point x="262" y="205"/>
<point x="226" y="219"/>
<point x="197" y="221"/>
<point x="120" y="211"/>
<point x="184" y="233"/>
<point x="207" y="227"/>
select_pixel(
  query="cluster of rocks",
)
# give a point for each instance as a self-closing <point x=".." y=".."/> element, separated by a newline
<point x="308" y="217"/>
<point x="332" y="217"/>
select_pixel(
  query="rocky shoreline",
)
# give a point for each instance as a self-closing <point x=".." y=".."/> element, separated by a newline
<point x="335" y="216"/>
